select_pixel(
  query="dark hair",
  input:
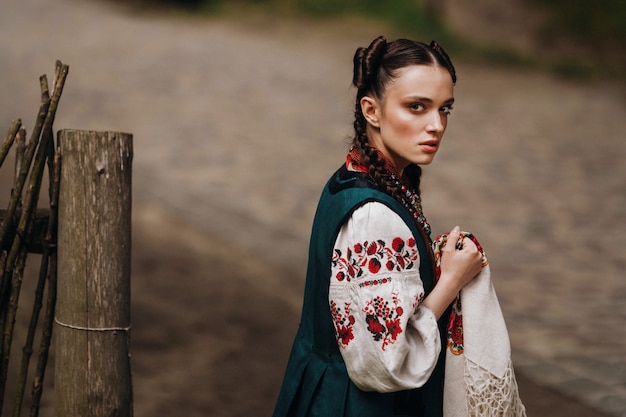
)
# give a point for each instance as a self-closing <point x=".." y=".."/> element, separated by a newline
<point x="374" y="67"/>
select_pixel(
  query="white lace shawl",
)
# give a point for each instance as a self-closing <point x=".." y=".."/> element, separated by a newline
<point x="480" y="381"/>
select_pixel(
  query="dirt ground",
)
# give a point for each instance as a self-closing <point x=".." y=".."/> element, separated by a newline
<point x="237" y="125"/>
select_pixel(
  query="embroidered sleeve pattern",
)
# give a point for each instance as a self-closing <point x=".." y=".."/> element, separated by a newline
<point x="369" y="257"/>
<point x="343" y="321"/>
<point x="387" y="339"/>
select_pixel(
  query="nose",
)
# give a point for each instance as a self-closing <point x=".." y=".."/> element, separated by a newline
<point x="435" y="123"/>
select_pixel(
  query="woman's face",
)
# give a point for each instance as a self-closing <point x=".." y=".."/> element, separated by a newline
<point x="407" y="124"/>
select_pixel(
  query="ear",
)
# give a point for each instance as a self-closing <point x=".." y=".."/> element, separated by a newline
<point x="371" y="110"/>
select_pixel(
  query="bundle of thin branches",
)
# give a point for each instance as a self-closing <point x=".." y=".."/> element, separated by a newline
<point x="18" y="230"/>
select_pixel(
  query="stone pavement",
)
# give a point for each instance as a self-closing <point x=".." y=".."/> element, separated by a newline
<point x="237" y="125"/>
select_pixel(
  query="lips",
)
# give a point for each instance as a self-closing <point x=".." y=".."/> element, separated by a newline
<point x="429" y="146"/>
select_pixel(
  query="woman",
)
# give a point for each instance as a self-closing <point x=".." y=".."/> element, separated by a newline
<point x="373" y="321"/>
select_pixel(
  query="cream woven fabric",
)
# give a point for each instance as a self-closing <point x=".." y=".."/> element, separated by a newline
<point x="480" y="381"/>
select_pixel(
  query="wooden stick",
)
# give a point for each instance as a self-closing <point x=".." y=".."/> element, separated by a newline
<point x="37" y="239"/>
<point x="19" y="153"/>
<point x="27" y="350"/>
<point x="49" y="248"/>
<point x="21" y="179"/>
<point x="7" y="334"/>
<point x="51" y="238"/>
<point x="8" y="141"/>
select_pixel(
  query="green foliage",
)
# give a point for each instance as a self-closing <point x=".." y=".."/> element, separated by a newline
<point x="573" y="70"/>
<point x="405" y="15"/>
<point x="592" y="32"/>
<point x="586" y="19"/>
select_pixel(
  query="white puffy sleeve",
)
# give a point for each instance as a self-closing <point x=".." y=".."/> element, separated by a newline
<point x="388" y="339"/>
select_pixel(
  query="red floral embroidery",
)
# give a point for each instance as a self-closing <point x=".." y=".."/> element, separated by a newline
<point x="418" y="300"/>
<point x="372" y="256"/>
<point x="383" y="319"/>
<point x="373" y="282"/>
<point x="397" y="244"/>
<point x="343" y="323"/>
<point x="455" y="329"/>
<point x="358" y="248"/>
<point x="374" y="265"/>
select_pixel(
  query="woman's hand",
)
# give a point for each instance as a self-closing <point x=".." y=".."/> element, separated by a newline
<point x="460" y="263"/>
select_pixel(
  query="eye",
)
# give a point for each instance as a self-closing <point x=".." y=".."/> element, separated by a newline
<point x="416" y="107"/>
<point x="446" y="109"/>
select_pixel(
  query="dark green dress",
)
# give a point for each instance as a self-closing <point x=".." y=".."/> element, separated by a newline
<point x="316" y="381"/>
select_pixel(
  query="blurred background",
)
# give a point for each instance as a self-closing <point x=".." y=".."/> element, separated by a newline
<point x="241" y="110"/>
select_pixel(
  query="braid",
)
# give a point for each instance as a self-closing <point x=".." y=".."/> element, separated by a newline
<point x="371" y="158"/>
<point x="366" y="63"/>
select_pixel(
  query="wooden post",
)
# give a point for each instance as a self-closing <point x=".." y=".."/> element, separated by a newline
<point x="92" y="365"/>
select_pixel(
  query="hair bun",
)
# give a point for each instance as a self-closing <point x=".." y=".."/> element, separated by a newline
<point x="366" y="62"/>
<point x="444" y="58"/>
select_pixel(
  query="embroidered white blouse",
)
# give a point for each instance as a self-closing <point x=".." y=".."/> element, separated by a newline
<point x="388" y="339"/>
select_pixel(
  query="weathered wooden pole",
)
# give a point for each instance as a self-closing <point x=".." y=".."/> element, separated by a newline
<point x="92" y="365"/>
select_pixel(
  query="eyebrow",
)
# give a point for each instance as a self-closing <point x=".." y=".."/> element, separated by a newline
<point x="428" y="100"/>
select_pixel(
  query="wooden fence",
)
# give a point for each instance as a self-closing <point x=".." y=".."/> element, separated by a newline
<point x="84" y="238"/>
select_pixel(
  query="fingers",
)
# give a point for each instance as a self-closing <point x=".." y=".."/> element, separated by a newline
<point x="457" y="242"/>
<point x="466" y="243"/>
<point x="453" y="237"/>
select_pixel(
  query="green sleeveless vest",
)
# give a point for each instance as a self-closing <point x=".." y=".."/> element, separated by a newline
<point x="316" y="381"/>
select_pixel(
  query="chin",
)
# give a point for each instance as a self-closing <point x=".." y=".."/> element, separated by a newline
<point x="424" y="161"/>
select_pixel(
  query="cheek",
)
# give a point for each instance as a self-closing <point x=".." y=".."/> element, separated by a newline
<point x="444" y="122"/>
<point x="405" y="124"/>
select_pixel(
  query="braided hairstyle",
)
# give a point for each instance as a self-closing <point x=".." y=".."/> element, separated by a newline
<point x="374" y="68"/>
